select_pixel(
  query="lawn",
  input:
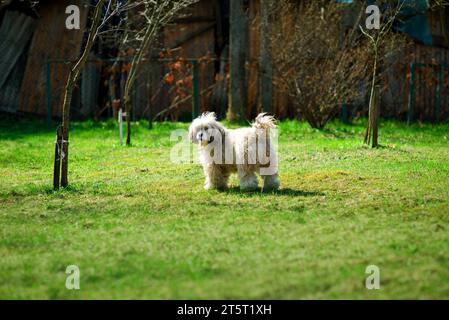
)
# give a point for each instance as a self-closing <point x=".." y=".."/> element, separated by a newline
<point x="139" y="226"/>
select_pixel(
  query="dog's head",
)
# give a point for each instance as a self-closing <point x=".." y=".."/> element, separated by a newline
<point x="205" y="128"/>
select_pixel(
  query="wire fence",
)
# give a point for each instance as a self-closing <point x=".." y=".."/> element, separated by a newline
<point x="428" y="92"/>
<point x="171" y="89"/>
<point x="179" y="89"/>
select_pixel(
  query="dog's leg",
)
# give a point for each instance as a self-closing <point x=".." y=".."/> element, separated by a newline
<point x="215" y="178"/>
<point x="271" y="182"/>
<point x="248" y="179"/>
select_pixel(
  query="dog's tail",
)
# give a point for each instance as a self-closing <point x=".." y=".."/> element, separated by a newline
<point x="264" y="121"/>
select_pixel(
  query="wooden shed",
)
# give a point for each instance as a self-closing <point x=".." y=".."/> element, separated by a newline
<point x="37" y="36"/>
<point x="221" y="38"/>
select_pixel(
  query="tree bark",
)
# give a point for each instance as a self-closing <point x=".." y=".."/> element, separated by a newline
<point x="62" y="150"/>
<point x="158" y="14"/>
<point x="57" y="164"/>
<point x="135" y="65"/>
<point x="371" y="134"/>
<point x="265" y="66"/>
<point x="64" y="146"/>
<point x="374" y="98"/>
<point x="128" y="121"/>
<point x="238" y="92"/>
<point x="443" y="14"/>
<point x="375" y="123"/>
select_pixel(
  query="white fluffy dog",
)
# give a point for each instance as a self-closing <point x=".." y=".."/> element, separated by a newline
<point x="245" y="151"/>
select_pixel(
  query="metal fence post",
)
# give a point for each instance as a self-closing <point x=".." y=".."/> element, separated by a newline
<point x="195" y="90"/>
<point x="344" y="116"/>
<point x="48" y="89"/>
<point x="411" y="93"/>
<point x="438" y="94"/>
<point x="265" y="65"/>
<point x="120" y="125"/>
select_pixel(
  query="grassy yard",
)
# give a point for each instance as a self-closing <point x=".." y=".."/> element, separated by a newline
<point x="139" y="226"/>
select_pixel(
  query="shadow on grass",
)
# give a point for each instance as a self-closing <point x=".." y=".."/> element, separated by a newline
<point x="386" y="147"/>
<point x="15" y="127"/>
<point x="29" y="190"/>
<point x="281" y="192"/>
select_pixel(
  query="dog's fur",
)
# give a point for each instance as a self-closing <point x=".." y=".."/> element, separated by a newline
<point x="242" y="144"/>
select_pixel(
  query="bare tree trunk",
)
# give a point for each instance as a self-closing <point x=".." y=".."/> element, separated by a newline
<point x="443" y="13"/>
<point x="371" y="133"/>
<point x="135" y="64"/>
<point x="62" y="149"/>
<point x="373" y="101"/>
<point x="375" y="97"/>
<point x="375" y="121"/>
<point x="128" y="120"/>
<point x="238" y="101"/>
<point x="57" y="166"/>
<point x="265" y="66"/>
<point x="158" y="14"/>
<point x="149" y="36"/>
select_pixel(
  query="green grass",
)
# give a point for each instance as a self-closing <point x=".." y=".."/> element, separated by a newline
<point x="139" y="226"/>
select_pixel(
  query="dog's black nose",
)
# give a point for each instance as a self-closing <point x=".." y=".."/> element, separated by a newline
<point x="201" y="136"/>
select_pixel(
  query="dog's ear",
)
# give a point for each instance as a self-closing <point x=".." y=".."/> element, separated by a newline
<point x="192" y="133"/>
<point x="212" y="115"/>
<point x="218" y="129"/>
<point x="218" y="126"/>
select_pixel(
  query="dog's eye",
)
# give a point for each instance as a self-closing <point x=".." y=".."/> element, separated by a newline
<point x="206" y="128"/>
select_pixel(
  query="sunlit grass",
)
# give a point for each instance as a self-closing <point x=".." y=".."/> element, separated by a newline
<point x="139" y="226"/>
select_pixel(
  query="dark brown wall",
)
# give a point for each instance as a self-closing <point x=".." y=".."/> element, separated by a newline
<point x="51" y="40"/>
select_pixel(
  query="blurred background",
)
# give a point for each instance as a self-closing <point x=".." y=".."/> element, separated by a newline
<point x="196" y="50"/>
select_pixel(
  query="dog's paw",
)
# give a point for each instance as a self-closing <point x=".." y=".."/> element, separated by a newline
<point x="271" y="183"/>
